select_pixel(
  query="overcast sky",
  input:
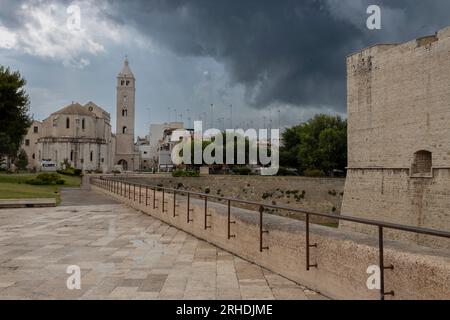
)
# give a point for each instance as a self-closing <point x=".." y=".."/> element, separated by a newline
<point x="260" y="56"/>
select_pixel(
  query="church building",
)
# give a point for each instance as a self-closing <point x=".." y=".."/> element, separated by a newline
<point x="81" y="135"/>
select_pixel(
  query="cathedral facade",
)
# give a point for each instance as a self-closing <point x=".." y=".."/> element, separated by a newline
<point x="81" y="135"/>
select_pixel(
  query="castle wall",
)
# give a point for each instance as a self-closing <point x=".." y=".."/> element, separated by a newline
<point x="398" y="105"/>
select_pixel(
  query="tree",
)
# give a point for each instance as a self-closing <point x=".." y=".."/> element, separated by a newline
<point x="14" y="107"/>
<point x="22" y="160"/>
<point x="318" y="144"/>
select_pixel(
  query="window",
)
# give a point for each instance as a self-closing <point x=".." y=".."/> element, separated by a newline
<point x="34" y="156"/>
<point x="92" y="156"/>
<point x="124" y="112"/>
<point x="124" y="130"/>
<point x="71" y="155"/>
<point x="83" y="124"/>
<point x="67" y="123"/>
<point x="122" y="82"/>
<point x="128" y="82"/>
<point x="27" y="142"/>
<point x="103" y="160"/>
<point x="423" y="163"/>
<point x="36" y="130"/>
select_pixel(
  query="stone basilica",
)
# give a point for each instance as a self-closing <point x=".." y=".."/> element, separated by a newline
<point x="81" y="134"/>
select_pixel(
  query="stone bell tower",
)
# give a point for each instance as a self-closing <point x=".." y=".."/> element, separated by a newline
<point x="126" y="156"/>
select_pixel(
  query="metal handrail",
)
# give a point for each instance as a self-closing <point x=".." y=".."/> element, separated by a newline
<point x="106" y="184"/>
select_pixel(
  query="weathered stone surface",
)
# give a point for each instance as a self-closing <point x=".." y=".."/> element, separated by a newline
<point x="343" y="257"/>
<point x="397" y="109"/>
<point x="123" y="254"/>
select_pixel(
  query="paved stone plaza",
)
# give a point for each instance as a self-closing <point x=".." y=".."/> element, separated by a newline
<point x="123" y="254"/>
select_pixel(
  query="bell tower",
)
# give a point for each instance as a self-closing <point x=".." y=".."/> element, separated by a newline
<point x="125" y="119"/>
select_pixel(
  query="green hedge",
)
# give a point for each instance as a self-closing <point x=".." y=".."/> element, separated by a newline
<point x="243" y="171"/>
<point x="70" y="171"/>
<point x="185" y="173"/>
<point x="46" y="179"/>
<point x="314" y="173"/>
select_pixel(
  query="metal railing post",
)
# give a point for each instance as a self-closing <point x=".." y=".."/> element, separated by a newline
<point x="261" y="230"/>
<point x="146" y="196"/>
<point x="308" y="245"/>
<point x="174" y="204"/>
<point x="382" y="267"/>
<point x="129" y="191"/>
<point x="230" y="222"/>
<point x="206" y="214"/>
<point x="140" y="193"/>
<point x="189" y="210"/>
<point x="163" y="201"/>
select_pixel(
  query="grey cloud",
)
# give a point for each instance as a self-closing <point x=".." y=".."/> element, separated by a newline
<point x="287" y="52"/>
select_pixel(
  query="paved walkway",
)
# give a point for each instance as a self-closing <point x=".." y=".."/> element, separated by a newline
<point x="123" y="254"/>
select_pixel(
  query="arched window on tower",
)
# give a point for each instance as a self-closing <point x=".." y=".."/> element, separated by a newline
<point x="67" y="123"/>
<point x="124" y="112"/>
<point x="71" y="155"/>
<point x="92" y="156"/>
<point x="124" y="130"/>
<point x="83" y="124"/>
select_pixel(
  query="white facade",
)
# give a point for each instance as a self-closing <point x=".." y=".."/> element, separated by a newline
<point x="79" y="135"/>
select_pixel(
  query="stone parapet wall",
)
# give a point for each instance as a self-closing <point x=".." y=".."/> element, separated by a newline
<point x="315" y="194"/>
<point x="342" y="257"/>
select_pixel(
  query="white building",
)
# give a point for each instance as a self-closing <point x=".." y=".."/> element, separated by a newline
<point x="81" y="134"/>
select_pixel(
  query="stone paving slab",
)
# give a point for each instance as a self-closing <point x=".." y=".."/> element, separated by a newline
<point x="123" y="254"/>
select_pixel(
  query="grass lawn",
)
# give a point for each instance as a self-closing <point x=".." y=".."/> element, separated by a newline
<point x="13" y="186"/>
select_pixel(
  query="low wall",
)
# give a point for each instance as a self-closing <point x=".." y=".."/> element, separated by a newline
<point x="315" y="194"/>
<point x="342" y="257"/>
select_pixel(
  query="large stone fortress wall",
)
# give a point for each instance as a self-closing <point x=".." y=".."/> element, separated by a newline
<point x="399" y="135"/>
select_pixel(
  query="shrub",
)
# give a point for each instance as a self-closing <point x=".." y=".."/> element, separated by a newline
<point x="266" y="195"/>
<point x="287" y="172"/>
<point x="46" y="179"/>
<point x="70" y="171"/>
<point x="22" y="160"/>
<point x="243" y="171"/>
<point x="314" y="173"/>
<point x="185" y="173"/>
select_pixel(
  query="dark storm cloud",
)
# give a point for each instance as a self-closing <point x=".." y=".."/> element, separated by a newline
<point x="282" y="51"/>
<point x="288" y="51"/>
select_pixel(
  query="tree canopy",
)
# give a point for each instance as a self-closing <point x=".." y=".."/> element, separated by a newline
<point x="318" y="144"/>
<point x="14" y="107"/>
